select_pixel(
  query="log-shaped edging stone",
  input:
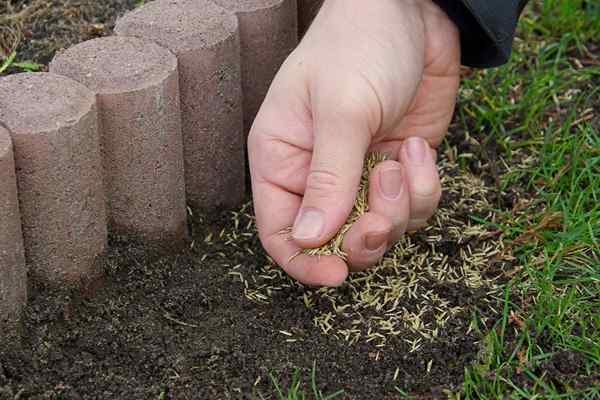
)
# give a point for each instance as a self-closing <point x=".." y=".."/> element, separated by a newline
<point x="137" y="89"/>
<point x="53" y="123"/>
<point x="205" y="39"/>
<point x="13" y="272"/>
<point x="307" y="10"/>
<point x="268" y="34"/>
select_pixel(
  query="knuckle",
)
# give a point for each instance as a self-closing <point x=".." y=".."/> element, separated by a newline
<point x="350" y="106"/>
<point x="354" y="103"/>
<point x="323" y="183"/>
<point x="363" y="108"/>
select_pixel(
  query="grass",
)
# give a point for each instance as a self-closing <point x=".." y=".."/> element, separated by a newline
<point x="538" y="114"/>
<point x="21" y="66"/>
<point x="543" y="107"/>
<point x="536" y="127"/>
<point x="295" y="390"/>
<point x="559" y="285"/>
<point x="10" y="37"/>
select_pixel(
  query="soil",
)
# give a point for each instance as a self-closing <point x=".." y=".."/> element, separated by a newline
<point x="180" y="325"/>
<point x="214" y="320"/>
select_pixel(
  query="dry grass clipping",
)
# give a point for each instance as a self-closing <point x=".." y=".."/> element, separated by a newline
<point x="361" y="206"/>
<point x="425" y="289"/>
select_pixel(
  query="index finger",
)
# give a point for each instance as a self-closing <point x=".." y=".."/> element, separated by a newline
<point x="279" y="151"/>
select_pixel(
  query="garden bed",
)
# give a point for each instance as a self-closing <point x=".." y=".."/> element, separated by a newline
<point x="218" y="320"/>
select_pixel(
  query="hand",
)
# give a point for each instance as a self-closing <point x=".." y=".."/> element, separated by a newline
<point x="368" y="76"/>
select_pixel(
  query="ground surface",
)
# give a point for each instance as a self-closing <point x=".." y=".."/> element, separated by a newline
<point x="37" y="29"/>
<point x="498" y="296"/>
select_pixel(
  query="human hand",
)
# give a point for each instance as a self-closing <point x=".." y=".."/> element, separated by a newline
<point x="367" y="76"/>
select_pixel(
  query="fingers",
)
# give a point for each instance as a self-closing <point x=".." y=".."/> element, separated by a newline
<point x="275" y="211"/>
<point x="341" y="138"/>
<point x="423" y="181"/>
<point x="279" y="157"/>
<point x="389" y="196"/>
<point x="367" y="240"/>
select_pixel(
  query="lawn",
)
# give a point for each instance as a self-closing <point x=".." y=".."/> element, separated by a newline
<point x="542" y="111"/>
<point x="498" y="298"/>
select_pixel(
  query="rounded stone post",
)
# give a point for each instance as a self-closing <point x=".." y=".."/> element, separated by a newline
<point x="13" y="272"/>
<point x="268" y="34"/>
<point x="53" y="124"/>
<point x="136" y="86"/>
<point x="205" y="39"/>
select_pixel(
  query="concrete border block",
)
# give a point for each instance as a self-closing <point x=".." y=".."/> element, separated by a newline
<point x="53" y="124"/>
<point x="205" y="39"/>
<point x="13" y="271"/>
<point x="137" y="88"/>
<point x="268" y="34"/>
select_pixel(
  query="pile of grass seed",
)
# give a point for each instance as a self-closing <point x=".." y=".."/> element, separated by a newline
<point x="425" y="283"/>
<point x="361" y="206"/>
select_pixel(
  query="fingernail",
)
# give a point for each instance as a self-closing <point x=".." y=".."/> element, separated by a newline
<point x="309" y="224"/>
<point x="374" y="241"/>
<point x="390" y="181"/>
<point x="416" y="148"/>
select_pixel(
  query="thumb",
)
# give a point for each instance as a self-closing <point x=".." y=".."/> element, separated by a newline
<point x="342" y="134"/>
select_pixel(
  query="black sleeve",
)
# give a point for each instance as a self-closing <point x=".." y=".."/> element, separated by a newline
<point x="487" y="28"/>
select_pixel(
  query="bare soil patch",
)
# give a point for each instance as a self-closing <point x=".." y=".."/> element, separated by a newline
<point x="212" y="321"/>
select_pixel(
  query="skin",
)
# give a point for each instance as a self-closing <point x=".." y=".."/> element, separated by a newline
<point x="367" y="76"/>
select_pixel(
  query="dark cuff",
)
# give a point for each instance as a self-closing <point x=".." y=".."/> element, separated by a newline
<point x="487" y="29"/>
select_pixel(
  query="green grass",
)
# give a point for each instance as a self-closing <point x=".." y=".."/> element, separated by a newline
<point x="540" y="111"/>
<point x="559" y="286"/>
<point x="296" y="390"/>
<point x="20" y="66"/>
<point x="540" y="107"/>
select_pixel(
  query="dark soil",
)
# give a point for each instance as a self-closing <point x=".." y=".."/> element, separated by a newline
<point x="214" y="320"/>
<point x="181" y="326"/>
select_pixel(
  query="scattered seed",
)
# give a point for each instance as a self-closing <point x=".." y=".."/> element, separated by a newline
<point x="403" y="297"/>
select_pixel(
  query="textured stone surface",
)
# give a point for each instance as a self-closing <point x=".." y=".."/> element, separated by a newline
<point x="136" y="83"/>
<point x="307" y="10"/>
<point x="205" y="39"/>
<point x="13" y="272"/>
<point x="53" y="124"/>
<point x="268" y="34"/>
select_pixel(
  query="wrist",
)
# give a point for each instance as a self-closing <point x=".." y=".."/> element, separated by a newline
<point x="369" y="16"/>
